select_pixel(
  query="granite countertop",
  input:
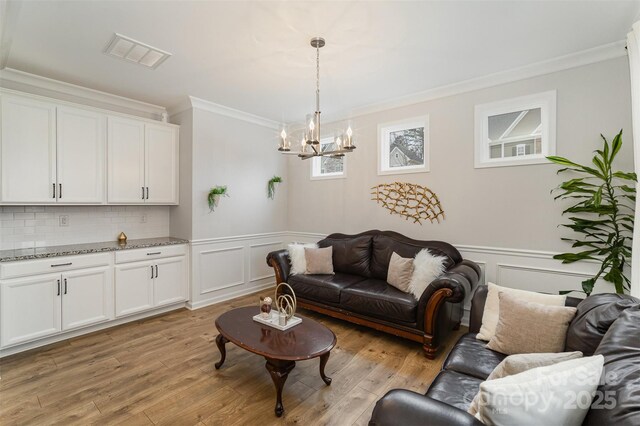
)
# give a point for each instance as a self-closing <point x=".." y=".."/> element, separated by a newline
<point x="72" y="249"/>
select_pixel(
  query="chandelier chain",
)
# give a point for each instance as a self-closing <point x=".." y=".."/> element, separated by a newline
<point x="318" y="78"/>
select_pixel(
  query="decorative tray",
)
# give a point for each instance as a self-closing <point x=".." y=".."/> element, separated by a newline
<point x="272" y="321"/>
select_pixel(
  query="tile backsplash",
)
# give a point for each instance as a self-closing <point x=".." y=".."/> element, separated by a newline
<point x="39" y="226"/>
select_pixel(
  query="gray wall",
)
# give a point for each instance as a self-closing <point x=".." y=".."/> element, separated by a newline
<point x="506" y="207"/>
<point x="182" y="214"/>
<point x="241" y="155"/>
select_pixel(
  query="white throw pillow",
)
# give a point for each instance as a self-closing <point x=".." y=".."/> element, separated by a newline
<point x="426" y="268"/>
<point x="297" y="259"/>
<point x="559" y="394"/>
<point x="492" y="306"/>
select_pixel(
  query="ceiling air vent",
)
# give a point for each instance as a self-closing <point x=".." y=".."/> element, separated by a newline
<point x="131" y="50"/>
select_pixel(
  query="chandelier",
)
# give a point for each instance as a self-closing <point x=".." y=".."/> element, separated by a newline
<point x="310" y="144"/>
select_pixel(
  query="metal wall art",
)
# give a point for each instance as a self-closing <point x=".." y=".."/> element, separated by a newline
<point x="409" y="200"/>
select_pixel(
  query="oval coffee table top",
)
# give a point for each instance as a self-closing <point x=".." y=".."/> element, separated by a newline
<point x="309" y="339"/>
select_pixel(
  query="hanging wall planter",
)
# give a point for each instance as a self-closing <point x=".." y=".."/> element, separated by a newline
<point x="271" y="186"/>
<point x="214" y="196"/>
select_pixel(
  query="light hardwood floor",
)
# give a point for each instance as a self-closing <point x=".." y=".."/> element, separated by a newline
<point x="160" y="371"/>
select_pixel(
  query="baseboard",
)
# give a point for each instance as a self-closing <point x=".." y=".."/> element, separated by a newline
<point x="229" y="296"/>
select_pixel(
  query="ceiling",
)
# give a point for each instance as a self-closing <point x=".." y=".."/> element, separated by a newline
<point x="255" y="56"/>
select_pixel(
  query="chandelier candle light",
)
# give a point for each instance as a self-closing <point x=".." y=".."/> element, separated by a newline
<point x="311" y="138"/>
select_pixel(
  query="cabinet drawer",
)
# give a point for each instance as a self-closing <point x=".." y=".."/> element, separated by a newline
<point x="150" y="253"/>
<point x="25" y="268"/>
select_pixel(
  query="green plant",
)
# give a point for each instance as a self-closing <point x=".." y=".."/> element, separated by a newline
<point x="271" y="186"/>
<point x="603" y="211"/>
<point x="214" y="196"/>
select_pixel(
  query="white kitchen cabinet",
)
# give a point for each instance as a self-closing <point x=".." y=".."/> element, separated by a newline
<point x="150" y="278"/>
<point x="30" y="308"/>
<point x="87" y="297"/>
<point x="36" y="303"/>
<point x="81" y="156"/>
<point x="170" y="282"/>
<point x="134" y="288"/>
<point x="143" y="162"/>
<point x="27" y="151"/>
<point x="161" y="164"/>
<point x="125" y="161"/>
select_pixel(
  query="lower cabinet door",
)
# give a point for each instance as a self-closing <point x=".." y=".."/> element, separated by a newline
<point x="30" y="308"/>
<point x="87" y="297"/>
<point x="134" y="287"/>
<point x="170" y="282"/>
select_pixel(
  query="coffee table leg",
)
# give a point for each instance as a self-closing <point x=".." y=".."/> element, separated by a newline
<point x="323" y="362"/>
<point x="279" y="371"/>
<point x="220" y="342"/>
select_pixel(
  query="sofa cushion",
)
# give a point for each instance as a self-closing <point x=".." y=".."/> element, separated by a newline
<point x="470" y="357"/>
<point x="594" y="317"/>
<point x="617" y="399"/>
<point x="378" y="299"/>
<point x="322" y="288"/>
<point x="454" y="389"/>
<point x="350" y="255"/>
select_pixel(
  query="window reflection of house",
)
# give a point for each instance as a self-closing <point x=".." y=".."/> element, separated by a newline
<point x="400" y="158"/>
<point x="515" y="134"/>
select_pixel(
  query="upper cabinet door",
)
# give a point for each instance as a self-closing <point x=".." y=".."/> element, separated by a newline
<point x="161" y="147"/>
<point x="125" y="161"/>
<point x="81" y="156"/>
<point x="27" y="151"/>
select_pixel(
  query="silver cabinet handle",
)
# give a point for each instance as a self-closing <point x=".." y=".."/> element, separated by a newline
<point x="156" y="271"/>
<point x="58" y="287"/>
<point x="151" y="271"/>
<point x="54" y="190"/>
<point x="147" y="192"/>
<point x="60" y="191"/>
<point x="61" y="264"/>
<point x="154" y="253"/>
<point x="65" y="286"/>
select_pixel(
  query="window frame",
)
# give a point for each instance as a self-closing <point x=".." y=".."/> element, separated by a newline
<point x="546" y="101"/>
<point x="384" y="155"/>
<point x="316" y="166"/>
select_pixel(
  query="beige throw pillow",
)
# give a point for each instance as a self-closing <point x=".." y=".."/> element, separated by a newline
<point x="400" y="272"/>
<point x="515" y="364"/>
<point x="492" y="306"/>
<point x="319" y="260"/>
<point x="527" y="327"/>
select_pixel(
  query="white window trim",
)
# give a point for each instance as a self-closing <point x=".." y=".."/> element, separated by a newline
<point x="546" y="101"/>
<point x="383" y="145"/>
<point x="315" y="165"/>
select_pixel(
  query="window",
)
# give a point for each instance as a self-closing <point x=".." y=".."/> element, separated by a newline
<point x="516" y="131"/>
<point x="328" y="167"/>
<point x="403" y="146"/>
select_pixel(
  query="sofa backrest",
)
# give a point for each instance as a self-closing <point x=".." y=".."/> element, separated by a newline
<point x="593" y="318"/>
<point x="350" y="251"/>
<point x="617" y="400"/>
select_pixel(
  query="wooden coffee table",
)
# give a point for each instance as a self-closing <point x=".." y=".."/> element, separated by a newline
<point x="281" y="349"/>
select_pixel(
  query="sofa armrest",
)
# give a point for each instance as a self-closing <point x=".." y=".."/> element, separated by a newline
<point x="477" y="308"/>
<point x="453" y="286"/>
<point x="404" y="407"/>
<point x="279" y="260"/>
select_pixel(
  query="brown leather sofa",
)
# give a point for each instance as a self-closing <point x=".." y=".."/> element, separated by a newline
<point x="359" y="293"/>
<point x="606" y="324"/>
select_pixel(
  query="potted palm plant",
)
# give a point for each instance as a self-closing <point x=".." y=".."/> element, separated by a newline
<point x="602" y="212"/>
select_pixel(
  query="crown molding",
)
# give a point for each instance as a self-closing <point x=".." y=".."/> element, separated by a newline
<point x="561" y="63"/>
<point x="196" y="103"/>
<point x="24" y="81"/>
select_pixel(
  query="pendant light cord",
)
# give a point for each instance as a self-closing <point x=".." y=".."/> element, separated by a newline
<point x="318" y="79"/>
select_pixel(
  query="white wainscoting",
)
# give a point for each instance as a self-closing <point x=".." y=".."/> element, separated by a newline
<point x="228" y="267"/>
<point x="223" y="268"/>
